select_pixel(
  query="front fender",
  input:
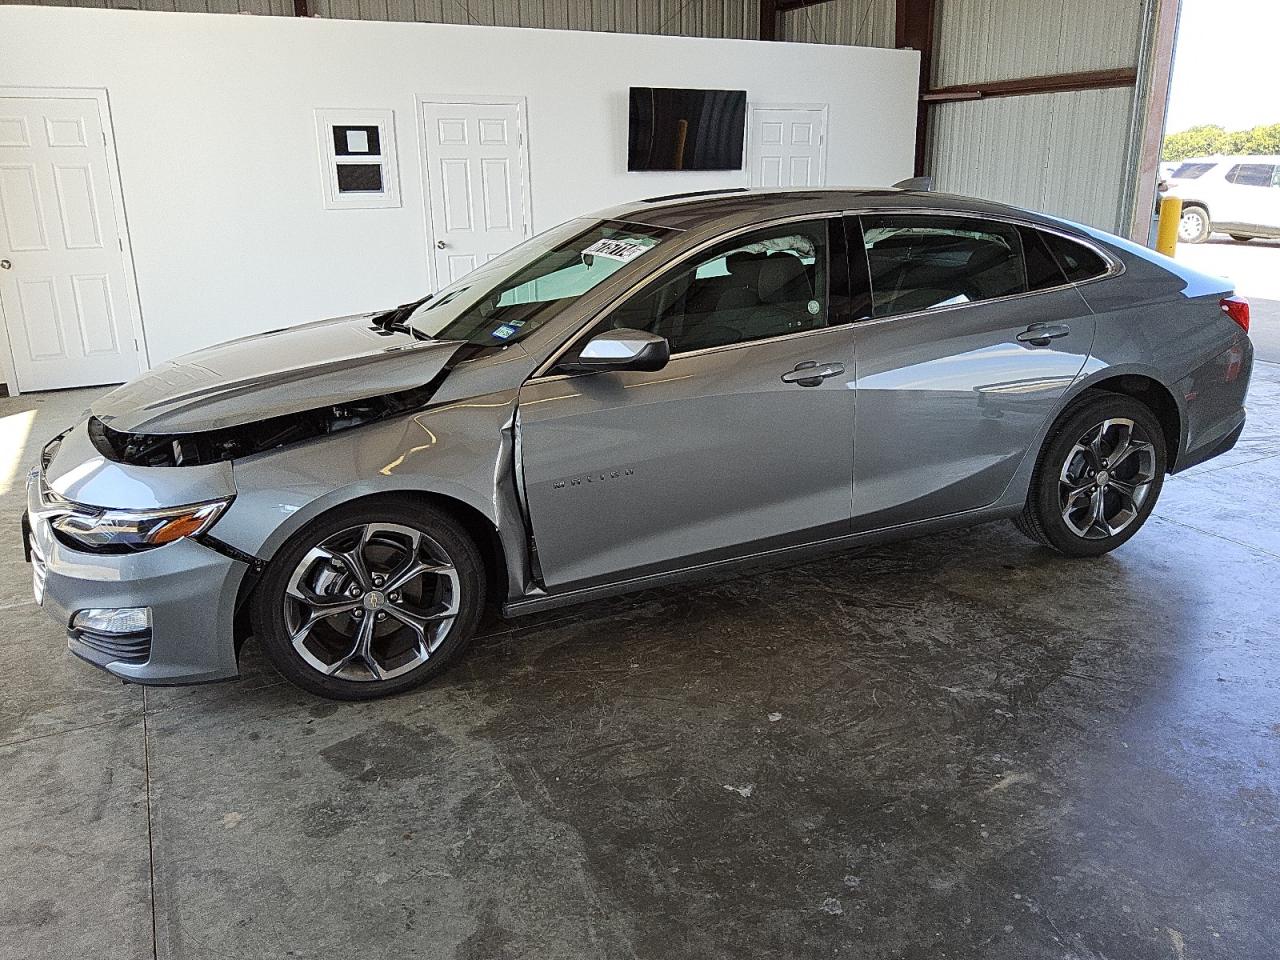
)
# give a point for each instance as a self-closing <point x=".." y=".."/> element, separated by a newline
<point x="459" y="451"/>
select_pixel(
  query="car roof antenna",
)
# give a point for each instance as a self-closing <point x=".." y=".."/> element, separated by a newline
<point x="924" y="184"/>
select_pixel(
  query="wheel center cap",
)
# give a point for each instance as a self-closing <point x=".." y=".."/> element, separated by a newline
<point x="374" y="600"/>
<point x="1103" y="478"/>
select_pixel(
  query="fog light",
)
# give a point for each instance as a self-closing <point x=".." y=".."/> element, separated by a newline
<point x="119" y="621"/>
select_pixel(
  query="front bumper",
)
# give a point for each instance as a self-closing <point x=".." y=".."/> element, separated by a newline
<point x="190" y="589"/>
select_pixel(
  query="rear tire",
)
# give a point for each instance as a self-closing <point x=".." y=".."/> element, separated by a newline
<point x="370" y="599"/>
<point x="1240" y="238"/>
<point x="1194" y="227"/>
<point x="1098" y="476"/>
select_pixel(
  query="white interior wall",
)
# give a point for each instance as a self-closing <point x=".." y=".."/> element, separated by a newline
<point x="215" y="137"/>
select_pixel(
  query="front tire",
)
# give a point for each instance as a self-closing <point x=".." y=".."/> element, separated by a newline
<point x="370" y="600"/>
<point x="1194" y="227"/>
<point x="1098" y="476"/>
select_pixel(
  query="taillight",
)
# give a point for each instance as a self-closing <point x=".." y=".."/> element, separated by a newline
<point x="1237" y="308"/>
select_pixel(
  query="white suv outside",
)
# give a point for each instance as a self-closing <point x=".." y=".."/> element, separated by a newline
<point x="1236" y="195"/>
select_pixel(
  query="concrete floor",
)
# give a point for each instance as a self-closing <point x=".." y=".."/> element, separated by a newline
<point x="962" y="746"/>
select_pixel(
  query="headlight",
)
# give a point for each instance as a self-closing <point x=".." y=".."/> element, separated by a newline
<point x="121" y="530"/>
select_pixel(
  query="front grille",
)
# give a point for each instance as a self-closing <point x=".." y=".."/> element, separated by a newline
<point x="135" y="648"/>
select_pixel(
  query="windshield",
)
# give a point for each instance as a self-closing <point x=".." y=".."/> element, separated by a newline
<point x="512" y="295"/>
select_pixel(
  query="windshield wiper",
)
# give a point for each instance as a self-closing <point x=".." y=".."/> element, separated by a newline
<point x="395" y="319"/>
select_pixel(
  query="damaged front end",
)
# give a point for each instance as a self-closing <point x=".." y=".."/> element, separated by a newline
<point x="256" y="436"/>
<point x="250" y="396"/>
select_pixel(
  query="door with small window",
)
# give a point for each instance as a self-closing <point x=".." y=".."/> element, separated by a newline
<point x="742" y="442"/>
<point x="974" y="333"/>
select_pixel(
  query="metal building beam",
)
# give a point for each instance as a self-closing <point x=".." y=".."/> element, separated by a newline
<point x="914" y="29"/>
<point x="1024" y="86"/>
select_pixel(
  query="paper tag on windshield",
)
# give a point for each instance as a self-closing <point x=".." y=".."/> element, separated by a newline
<point x="621" y="249"/>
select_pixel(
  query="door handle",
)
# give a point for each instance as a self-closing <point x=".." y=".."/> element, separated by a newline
<point x="1039" y="334"/>
<point x="808" y="373"/>
<point x="440" y="244"/>
<point x="5" y="264"/>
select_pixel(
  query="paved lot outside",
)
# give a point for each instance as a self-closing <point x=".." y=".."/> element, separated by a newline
<point x="1254" y="267"/>
<point x="960" y="747"/>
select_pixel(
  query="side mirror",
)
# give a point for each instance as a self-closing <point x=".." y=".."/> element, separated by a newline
<point x="621" y="350"/>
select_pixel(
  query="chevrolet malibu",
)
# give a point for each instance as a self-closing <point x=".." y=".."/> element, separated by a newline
<point x="659" y="391"/>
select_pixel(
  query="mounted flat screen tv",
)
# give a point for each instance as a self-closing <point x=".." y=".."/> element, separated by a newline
<point x="674" y="129"/>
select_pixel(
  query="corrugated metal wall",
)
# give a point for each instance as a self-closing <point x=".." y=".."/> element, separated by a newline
<point x="1005" y="39"/>
<point x="862" y="23"/>
<point x="692" y="18"/>
<point x="279" y="8"/>
<point x="857" y="22"/>
<point x="1063" y="153"/>
<point x="689" y="18"/>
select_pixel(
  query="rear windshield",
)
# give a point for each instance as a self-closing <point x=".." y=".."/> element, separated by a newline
<point x="514" y="294"/>
<point x="1189" y="171"/>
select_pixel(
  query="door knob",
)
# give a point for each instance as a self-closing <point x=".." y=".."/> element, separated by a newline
<point x="439" y="244"/>
<point x="5" y="265"/>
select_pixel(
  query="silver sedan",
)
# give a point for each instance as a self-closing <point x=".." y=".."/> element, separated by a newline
<point x="656" y="392"/>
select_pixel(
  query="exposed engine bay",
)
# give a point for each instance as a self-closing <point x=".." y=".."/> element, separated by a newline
<point x="242" y="440"/>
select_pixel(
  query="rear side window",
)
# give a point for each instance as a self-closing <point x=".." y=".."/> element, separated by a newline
<point x="921" y="262"/>
<point x="1252" y="174"/>
<point x="1077" y="261"/>
<point x="1189" y="171"/>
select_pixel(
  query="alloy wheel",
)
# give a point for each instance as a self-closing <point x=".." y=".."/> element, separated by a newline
<point x="1106" y="478"/>
<point x="371" y="602"/>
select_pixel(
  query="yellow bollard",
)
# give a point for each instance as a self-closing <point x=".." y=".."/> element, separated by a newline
<point x="1167" y="230"/>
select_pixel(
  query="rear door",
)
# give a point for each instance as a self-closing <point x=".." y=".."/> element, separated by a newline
<point x="743" y="442"/>
<point x="1249" y="196"/>
<point x="974" y="336"/>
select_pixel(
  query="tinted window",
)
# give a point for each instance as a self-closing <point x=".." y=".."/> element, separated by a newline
<point x="1189" y="171"/>
<point x="1252" y="174"/>
<point x="1043" y="269"/>
<point x="922" y="262"/>
<point x="1077" y="261"/>
<point x="763" y="284"/>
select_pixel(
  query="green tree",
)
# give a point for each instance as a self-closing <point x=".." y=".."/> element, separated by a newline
<point x="1208" y="139"/>
<point x="1199" y="141"/>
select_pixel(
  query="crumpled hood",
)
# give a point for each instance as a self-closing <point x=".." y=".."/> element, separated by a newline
<point x="273" y="374"/>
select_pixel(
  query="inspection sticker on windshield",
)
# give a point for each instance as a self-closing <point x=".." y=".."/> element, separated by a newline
<point x="621" y="249"/>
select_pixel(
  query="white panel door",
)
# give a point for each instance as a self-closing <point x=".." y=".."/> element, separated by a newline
<point x="63" y="279"/>
<point x="475" y="183"/>
<point x="788" y="147"/>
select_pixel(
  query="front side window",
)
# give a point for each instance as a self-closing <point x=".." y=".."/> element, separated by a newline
<point x="1190" y="171"/>
<point x="1252" y="174"/>
<point x="514" y="294"/>
<point x="757" y="285"/>
<point x="920" y="262"/>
